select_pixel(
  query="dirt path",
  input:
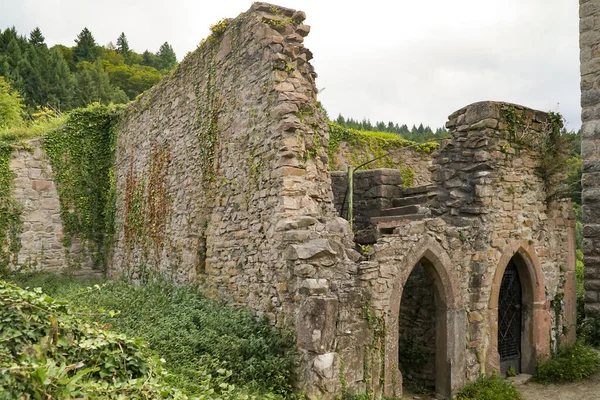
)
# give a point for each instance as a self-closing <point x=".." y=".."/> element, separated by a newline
<point x="585" y="390"/>
<point x="588" y="389"/>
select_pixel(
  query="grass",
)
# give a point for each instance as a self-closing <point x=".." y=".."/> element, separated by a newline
<point x="196" y="336"/>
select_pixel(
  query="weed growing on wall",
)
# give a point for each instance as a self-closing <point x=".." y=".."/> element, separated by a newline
<point x="552" y="144"/>
<point x="81" y="153"/>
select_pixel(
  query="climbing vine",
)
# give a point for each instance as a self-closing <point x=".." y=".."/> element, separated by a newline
<point x="11" y="225"/>
<point x="547" y="138"/>
<point x="81" y="153"/>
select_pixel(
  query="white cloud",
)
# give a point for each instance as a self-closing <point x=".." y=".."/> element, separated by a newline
<point x="404" y="61"/>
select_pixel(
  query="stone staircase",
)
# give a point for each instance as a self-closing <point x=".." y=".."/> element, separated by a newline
<point x="411" y="205"/>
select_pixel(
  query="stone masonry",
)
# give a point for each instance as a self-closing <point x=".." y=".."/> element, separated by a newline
<point x="589" y="28"/>
<point x="222" y="177"/>
<point x="490" y="206"/>
<point x="41" y="240"/>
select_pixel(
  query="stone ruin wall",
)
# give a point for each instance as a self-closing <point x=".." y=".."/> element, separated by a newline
<point x="490" y="205"/>
<point x="222" y="177"/>
<point x="42" y="246"/>
<point x="589" y="28"/>
<point x="398" y="158"/>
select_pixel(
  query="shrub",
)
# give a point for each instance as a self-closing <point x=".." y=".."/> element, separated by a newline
<point x="195" y="335"/>
<point x="47" y="352"/>
<point x="489" y="388"/>
<point x="569" y="364"/>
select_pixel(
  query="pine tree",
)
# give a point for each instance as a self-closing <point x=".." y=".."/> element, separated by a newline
<point x="61" y="81"/>
<point x="36" y="38"/>
<point x="166" y="57"/>
<point x="123" y="46"/>
<point x="86" y="48"/>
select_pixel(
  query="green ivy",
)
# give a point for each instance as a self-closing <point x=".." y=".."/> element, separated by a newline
<point x="11" y="225"/>
<point x="81" y="153"/>
<point x="377" y="143"/>
<point x="48" y="352"/>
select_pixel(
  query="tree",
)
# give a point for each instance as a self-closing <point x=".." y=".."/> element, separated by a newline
<point x="93" y="84"/>
<point x="61" y="82"/>
<point x="149" y="59"/>
<point x="36" y="38"/>
<point x="122" y="44"/>
<point x="11" y="108"/>
<point x="86" y="48"/>
<point x="166" y="57"/>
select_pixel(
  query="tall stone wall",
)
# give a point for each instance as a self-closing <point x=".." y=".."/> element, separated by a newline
<point x="42" y="246"/>
<point x="589" y="28"/>
<point x="222" y="177"/>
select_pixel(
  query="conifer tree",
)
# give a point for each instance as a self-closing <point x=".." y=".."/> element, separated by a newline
<point x="123" y="46"/>
<point x="36" y="38"/>
<point x="86" y="48"/>
<point x="166" y="57"/>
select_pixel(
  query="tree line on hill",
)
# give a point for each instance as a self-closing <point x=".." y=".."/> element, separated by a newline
<point x="417" y="134"/>
<point x="62" y="77"/>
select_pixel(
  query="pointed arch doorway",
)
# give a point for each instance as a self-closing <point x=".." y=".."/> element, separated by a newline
<point x="519" y="313"/>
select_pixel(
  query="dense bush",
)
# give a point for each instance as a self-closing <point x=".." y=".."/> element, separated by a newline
<point x="569" y="364"/>
<point x="46" y="352"/>
<point x="195" y="335"/>
<point x="489" y="388"/>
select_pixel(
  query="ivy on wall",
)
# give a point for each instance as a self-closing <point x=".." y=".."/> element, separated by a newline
<point x="147" y="201"/>
<point x="81" y="153"/>
<point x="366" y="145"/>
<point x="11" y="225"/>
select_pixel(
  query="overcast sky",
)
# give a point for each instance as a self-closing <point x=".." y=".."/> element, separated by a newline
<point x="405" y="61"/>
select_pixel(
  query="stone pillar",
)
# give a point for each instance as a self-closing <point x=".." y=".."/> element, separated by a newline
<point x="589" y="28"/>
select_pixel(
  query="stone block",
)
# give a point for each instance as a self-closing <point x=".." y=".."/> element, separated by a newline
<point x="316" y="324"/>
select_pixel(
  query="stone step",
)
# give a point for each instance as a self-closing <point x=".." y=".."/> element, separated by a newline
<point x="395" y="220"/>
<point x="417" y="190"/>
<point x="405" y="210"/>
<point x="410" y="200"/>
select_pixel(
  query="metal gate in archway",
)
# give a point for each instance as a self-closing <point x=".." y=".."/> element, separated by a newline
<point x="510" y="320"/>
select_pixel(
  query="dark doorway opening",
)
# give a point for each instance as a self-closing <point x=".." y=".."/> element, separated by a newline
<point x="417" y="332"/>
<point x="510" y="321"/>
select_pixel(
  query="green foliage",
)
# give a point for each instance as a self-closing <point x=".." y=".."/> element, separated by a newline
<point x="11" y="225"/>
<point x="69" y="77"/>
<point x="46" y="352"/>
<point x="86" y="49"/>
<point x="82" y="153"/>
<point x="569" y="364"/>
<point x="489" y="388"/>
<point x="408" y="177"/>
<point x="370" y="145"/>
<point x="197" y="336"/>
<point x="420" y="134"/>
<point x="11" y="109"/>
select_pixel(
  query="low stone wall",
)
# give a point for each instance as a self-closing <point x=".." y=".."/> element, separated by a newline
<point x="416" y="164"/>
<point x="42" y="245"/>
